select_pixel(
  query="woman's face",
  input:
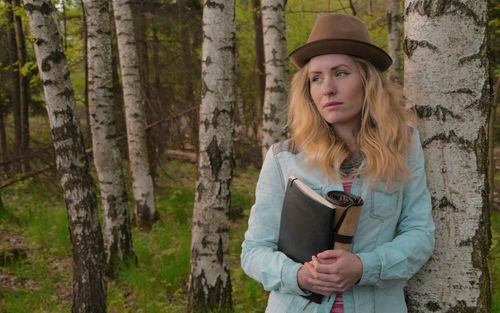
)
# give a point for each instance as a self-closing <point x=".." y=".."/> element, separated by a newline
<point x="337" y="89"/>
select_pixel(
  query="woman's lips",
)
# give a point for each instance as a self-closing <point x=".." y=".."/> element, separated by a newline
<point x="332" y="104"/>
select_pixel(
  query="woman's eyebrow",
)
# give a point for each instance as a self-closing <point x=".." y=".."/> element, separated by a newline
<point x="332" y="69"/>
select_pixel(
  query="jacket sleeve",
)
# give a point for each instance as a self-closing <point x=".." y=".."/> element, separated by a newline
<point x="401" y="258"/>
<point x="260" y="258"/>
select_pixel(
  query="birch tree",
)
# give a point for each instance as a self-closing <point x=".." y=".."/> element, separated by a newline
<point x="107" y="158"/>
<point x="394" y="40"/>
<point x="209" y="281"/>
<point x="142" y="181"/>
<point x="89" y="288"/>
<point x="446" y="78"/>
<point x="275" y="54"/>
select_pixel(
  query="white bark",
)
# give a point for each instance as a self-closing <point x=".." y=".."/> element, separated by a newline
<point x="276" y="60"/>
<point x="145" y="208"/>
<point x="107" y="158"/>
<point x="394" y="40"/>
<point x="446" y="78"/>
<point x="209" y="282"/>
<point x="89" y="288"/>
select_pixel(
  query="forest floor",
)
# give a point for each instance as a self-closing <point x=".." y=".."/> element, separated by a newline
<point x="35" y="251"/>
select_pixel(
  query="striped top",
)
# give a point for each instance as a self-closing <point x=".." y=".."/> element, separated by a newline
<point x="338" y="305"/>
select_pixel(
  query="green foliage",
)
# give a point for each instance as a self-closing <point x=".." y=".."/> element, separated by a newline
<point x="495" y="260"/>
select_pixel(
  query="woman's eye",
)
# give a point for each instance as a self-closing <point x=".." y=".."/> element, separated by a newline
<point x="341" y="73"/>
<point x="315" y="79"/>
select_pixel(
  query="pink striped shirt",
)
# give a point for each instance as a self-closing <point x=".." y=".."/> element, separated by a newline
<point x="338" y="304"/>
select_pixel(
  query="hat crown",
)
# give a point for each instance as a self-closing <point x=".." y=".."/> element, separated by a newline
<point x="339" y="26"/>
<point x="340" y="34"/>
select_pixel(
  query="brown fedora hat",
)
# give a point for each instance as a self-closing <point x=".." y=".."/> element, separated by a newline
<point x="340" y="34"/>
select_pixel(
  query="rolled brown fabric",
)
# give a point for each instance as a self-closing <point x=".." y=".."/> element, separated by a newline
<point x="347" y="211"/>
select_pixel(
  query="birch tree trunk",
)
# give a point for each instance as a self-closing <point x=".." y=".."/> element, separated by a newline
<point x="107" y="158"/>
<point x="209" y="281"/>
<point x="446" y="78"/>
<point x="275" y="106"/>
<point x="394" y="40"/>
<point x="145" y="207"/>
<point x="89" y="288"/>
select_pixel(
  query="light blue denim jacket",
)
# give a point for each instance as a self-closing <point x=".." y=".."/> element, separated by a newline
<point x="394" y="237"/>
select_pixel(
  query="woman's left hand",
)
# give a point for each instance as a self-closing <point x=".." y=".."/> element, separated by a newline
<point x="337" y="269"/>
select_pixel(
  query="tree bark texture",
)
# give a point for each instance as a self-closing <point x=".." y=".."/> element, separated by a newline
<point x="209" y="281"/>
<point x="446" y="78"/>
<point x="145" y="207"/>
<point x="107" y="157"/>
<point x="89" y="288"/>
<point x="23" y="89"/>
<point x="275" y="100"/>
<point x="394" y="40"/>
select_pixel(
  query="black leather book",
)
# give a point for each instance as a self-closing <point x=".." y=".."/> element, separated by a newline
<point x="306" y="226"/>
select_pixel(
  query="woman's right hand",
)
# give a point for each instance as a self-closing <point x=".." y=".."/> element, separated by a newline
<point x="306" y="281"/>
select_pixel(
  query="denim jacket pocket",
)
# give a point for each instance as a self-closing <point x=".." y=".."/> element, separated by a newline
<point x="384" y="203"/>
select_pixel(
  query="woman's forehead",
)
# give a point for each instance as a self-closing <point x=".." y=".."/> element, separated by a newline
<point x="329" y="61"/>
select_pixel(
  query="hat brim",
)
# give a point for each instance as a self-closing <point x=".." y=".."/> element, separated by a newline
<point x="374" y="54"/>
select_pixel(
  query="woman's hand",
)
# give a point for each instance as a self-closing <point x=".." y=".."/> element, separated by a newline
<point x="305" y="280"/>
<point x="333" y="271"/>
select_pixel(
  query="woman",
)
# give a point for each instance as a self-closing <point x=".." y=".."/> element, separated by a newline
<point x="350" y="132"/>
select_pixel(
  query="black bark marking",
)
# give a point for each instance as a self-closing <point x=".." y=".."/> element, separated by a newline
<point x="461" y="307"/>
<point x="55" y="57"/>
<point x="215" y="116"/>
<point x="205" y="298"/>
<point x="432" y="306"/>
<point x="214" y="154"/>
<point x="214" y="5"/>
<point x="466" y="91"/>
<point x="443" y="203"/>
<point x="220" y="251"/>
<point x="45" y="8"/>
<point x="436" y="8"/>
<point x="275" y="8"/>
<point x="410" y="45"/>
<point x="451" y="137"/>
<point x="481" y="147"/>
<point x="439" y="112"/>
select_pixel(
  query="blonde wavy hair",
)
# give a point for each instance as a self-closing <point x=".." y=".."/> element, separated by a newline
<point x="384" y="136"/>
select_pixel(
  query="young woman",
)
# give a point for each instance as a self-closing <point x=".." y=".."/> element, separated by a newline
<point x="350" y="132"/>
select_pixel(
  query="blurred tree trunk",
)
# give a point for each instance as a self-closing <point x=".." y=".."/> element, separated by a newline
<point x="107" y="158"/>
<point x="275" y="106"/>
<point x="23" y="90"/>
<point x="187" y="73"/>
<point x="14" y="75"/>
<point x="89" y="287"/>
<point x="394" y="40"/>
<point x="3" y="140"/>
<point x="86" y="73"/>
<point x="209" y="281"/>
<point x="145" y="207"/>
<point x="259" y="49"/>
<point x="239" y="96"/>
<point x="447" y="79"/>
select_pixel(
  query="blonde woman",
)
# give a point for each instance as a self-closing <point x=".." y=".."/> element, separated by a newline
<point x="351" y="132"/>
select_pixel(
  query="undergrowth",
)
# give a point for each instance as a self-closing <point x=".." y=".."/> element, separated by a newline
<point x="41" y="281"/>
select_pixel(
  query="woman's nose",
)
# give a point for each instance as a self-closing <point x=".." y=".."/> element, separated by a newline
<point x="329" y="87"/>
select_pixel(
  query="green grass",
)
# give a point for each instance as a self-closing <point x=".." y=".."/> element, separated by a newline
<point x="495" y="261"/>
<point x="36" y="211"/>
